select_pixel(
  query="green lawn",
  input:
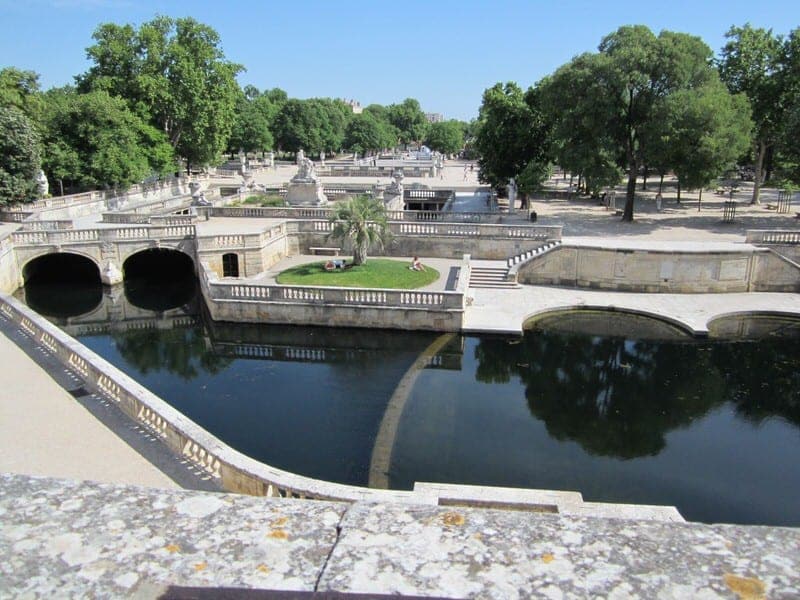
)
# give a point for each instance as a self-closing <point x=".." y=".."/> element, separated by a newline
<point x="377" y="273"/>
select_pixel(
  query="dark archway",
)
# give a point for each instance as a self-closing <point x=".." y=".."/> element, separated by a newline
<point x="230" y="265"/>
<point x="159" y="279"/>
<point x="62" y="285"/>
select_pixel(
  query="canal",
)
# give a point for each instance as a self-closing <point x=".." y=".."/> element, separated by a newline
<point x="619" y="408"/>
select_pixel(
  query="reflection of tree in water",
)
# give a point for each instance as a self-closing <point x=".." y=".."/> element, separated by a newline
<point x="613" y="396"/>
<point x="762" y="378"/>
<point x="181" y="351"/>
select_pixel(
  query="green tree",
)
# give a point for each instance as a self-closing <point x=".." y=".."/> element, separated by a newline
<point x="20" y="89"/>
<point x="619" y="91"/>
<point x="252" y="127"/>
<point x="365" y="133"/>
<point x="705" y="130"/>
<point x="19" y="157"/>
<point x="298" y="125"/>
<point x="409" y="120"/>
<point x="363" y="222"/>
<point x="749" y="64"/>
<point x="511" y="137"/>
<point x="446" y="137"/>
<point x="172" y="73"/>
<point x="789" y="142"/>
<point x="94" y="140"/>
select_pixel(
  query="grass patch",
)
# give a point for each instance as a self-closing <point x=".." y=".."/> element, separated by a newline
<point x="377" y="273"/>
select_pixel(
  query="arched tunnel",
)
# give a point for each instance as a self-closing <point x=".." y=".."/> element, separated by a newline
<point x="159" y="279"/>
<point x="62" y="285"/>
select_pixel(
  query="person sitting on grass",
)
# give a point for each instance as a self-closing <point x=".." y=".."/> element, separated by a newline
<point x="416" y="265"/>
<point x="335" y="264"/>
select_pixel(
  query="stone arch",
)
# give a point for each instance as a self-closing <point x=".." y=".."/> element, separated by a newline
<point x="126" y="254"/>
<point x="24" y="265"/>
<point x="159" y="278"/>
<point x="683" y="326"/>
<point x="62" y="284"/>
<point x="733" y="323"/>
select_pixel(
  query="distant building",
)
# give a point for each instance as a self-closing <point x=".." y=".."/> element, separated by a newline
<point x="434" y="117"/>
<point x="355" y="105"/>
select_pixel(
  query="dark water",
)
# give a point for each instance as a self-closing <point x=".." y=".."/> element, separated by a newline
<point x="711" y="427"/>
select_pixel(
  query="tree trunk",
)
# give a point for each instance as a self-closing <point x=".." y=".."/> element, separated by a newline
<point x="644" y="179"/>
<point x="760" y="152"/>
<point x="359" y="254"/>
<point x="661" y="184"/>
<point x="630" y="193"/>
<point x="679" y="191"/>
<point x="699" y="199"/>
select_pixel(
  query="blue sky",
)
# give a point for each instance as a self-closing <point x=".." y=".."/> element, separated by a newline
<point x="442" y="53"/>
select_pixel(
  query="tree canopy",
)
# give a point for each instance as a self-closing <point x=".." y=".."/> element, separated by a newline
<point x="446" y="137"/>
<point x="93" y="140"/>
<point x="511" y="135"/>
<point x="365" y="134"/>
<point x="173" y="74"/>
<point x="19" y="156"/>
<point x="409" y="120"/>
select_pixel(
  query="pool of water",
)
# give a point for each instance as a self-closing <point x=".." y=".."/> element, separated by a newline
<point x="653" y="417"/>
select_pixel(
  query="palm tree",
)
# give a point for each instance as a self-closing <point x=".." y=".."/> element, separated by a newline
<point x="362" y="220"/>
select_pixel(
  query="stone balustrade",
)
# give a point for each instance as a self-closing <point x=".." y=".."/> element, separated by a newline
<point x="47" y="225"/>
<point x="269" y="212"/>
<point x="73" y="236"/>
<point x="338" y="296"/>
<point x="772" y="236"/>
<point x="240" y="241"/>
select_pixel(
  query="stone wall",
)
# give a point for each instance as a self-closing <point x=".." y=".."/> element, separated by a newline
<point x="10" y="276"/>
<point x="79" y="539"/>
<point x="662" y="271"/>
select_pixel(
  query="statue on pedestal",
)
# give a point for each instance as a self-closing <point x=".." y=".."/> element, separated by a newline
<point x="42" y="184"/>
<point x="305" y="172"/>
<point x="300" y="156"/>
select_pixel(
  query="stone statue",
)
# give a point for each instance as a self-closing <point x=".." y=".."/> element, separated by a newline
<point x="305" y="172"/>
<point x="396" y="187"/>
<point x="322" y="157"/>
<point x="512" y="194"/>
<point x="41" y="182"/>
<point x="271" y="159"/>
<point x="300" y="156"/>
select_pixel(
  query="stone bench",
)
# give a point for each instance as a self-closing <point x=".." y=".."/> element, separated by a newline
<point x="316" y="250"/>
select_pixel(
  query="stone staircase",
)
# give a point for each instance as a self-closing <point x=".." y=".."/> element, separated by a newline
<point x="490" y="276"/>
<point x="530" y="254"/>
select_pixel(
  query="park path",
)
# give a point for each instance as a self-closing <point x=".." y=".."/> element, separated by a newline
<point x="45" y="431"/>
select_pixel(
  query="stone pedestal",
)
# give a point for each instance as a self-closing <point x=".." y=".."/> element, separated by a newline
<point x="305" y="194"/>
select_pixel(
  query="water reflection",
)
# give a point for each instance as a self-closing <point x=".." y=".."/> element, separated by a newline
<point x="654" y="418"/>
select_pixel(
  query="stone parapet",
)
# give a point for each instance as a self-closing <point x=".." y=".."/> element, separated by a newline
<point x="70" y="539"/>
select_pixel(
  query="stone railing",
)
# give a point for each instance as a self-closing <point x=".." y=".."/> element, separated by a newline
<point x="477" y="230"/>
<point x="772" y="236"/>
<point x="269" y="212"/>
<point x="51" y="225"/>
<point x="240" y="241"/>
<point x="55" y="202"/>
<point x="77" y="236"/>
<point x="338" y="296"/>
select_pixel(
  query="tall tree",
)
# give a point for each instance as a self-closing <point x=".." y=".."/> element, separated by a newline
<point x="363" y="222"/>
<point x="365" y="133"/>
<point x="173" y="73"/>
<point x="252" y="126"/>
<point x="94" y="140"/>
<point x="20" y="89"/>
<point x="620" y="91"/>
<point x="511" y="135"/>
<point x="748" y="64"/>
<point x="19" y="157"/>
<point x="298" y="125"/>
<point x="705" y="130"/>
<point x="409" y="120"/>
<point x="446" y="137"/>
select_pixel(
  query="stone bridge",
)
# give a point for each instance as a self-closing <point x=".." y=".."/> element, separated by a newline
<point x="108" y="248"/>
